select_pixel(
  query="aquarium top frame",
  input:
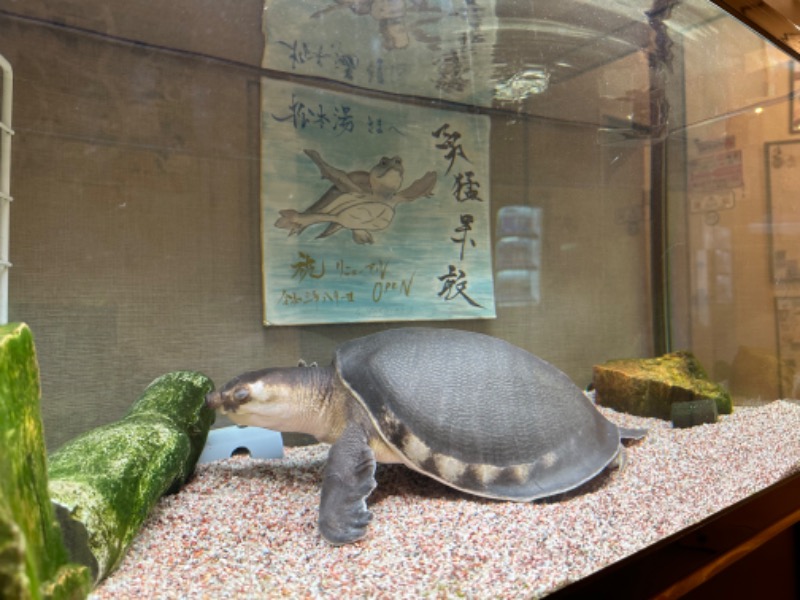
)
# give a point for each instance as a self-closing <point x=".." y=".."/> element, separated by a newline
<point x="5" y="183"/>
<point x="767" y="21"/>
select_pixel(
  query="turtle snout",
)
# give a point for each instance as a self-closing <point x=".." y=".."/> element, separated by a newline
<point x="228" y="400"/>
<point x="214" y="400"/>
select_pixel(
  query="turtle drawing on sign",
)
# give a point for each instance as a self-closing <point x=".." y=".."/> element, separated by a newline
<point x="361" y="201"/>
<point x="390" y="15"/>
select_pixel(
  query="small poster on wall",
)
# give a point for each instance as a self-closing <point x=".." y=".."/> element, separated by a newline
<point x="372" y="210"/>
<point x="716" y="180"/>
<point x="788" y="309"/>
<point x="783" y="190"/>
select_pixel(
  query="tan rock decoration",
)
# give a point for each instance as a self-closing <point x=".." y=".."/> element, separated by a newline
<point x="648" y="387"/>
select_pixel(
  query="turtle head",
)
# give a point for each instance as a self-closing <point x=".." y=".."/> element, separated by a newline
<point x="386" y="176"/>
<point x="281" y="399"/>
<point x="230" y="397"/>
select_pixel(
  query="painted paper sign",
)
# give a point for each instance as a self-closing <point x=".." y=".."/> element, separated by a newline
<point x="431" y="48"/>
<point x="371" y="210"/>
<point x="788" y="313"/>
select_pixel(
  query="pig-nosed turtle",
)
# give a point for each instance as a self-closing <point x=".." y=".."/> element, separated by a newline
<point x="469" y="410"/>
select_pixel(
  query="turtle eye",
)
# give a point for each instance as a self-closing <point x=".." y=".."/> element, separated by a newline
<point x="241" y="395"/>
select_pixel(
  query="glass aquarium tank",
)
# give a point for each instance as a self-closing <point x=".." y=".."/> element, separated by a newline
<point x="232" y="185"/>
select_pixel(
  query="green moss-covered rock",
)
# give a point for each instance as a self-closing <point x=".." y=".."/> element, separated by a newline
<point x="33" y="558"/>
<point x="649" y="387"/>
<point x="104" y="483"/>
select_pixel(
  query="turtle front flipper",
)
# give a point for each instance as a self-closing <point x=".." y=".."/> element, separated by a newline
<point x="348" y="479"/>
<point x="337" y="177"/>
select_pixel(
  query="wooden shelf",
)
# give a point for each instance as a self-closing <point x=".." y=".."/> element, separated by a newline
<point x="699" y="554"/>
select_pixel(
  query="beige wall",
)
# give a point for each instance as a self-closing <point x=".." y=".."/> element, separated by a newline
<point x="135" y="226"/>
<point x="135" y="182"/>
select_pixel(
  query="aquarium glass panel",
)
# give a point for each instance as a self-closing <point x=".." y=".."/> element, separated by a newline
<point x="227" y="186"/>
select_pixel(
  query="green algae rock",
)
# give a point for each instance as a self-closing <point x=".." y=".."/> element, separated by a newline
<point x="33" y="559"/>
<point x="648" y="387"/>
<point x="104" y="482"/>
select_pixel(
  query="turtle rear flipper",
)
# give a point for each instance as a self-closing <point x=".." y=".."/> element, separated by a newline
<point x="360" y="236"/>
<point x="348" y="479"/>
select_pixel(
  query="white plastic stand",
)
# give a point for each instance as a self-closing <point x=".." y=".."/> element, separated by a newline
<point x="255" y="441"/>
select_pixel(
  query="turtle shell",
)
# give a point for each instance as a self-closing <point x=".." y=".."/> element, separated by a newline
<point x="477" y="413"/>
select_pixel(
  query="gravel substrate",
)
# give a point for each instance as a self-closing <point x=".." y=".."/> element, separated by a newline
<point x="246" y="528"/>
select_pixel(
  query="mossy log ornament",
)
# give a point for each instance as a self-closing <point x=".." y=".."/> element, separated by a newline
<point x="33" y="558"/>
<point x="104" y="483"/>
